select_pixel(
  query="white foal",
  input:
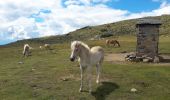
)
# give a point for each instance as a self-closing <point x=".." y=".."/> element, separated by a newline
<point x="87" y="58"/>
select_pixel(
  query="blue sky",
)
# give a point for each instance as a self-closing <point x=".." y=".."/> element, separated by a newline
<point x="24" y="19"/>
<point x="135" y="5"/>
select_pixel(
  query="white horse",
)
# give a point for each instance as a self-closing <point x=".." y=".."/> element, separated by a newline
<point x="47" y="46"/>
<point x="40" y="47"/>
<point x="87" y="58"/>
<point x="26" y="51"/>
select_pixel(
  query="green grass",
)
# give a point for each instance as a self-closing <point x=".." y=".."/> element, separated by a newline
<point x="164" y="44"/>
<point x="40" y="77"/>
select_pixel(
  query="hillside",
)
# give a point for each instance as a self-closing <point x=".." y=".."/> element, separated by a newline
<point x="116" y="29"/>
<point x="126" y="27"/>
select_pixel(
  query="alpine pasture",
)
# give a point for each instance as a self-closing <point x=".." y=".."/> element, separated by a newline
<point x="49" y="75"/>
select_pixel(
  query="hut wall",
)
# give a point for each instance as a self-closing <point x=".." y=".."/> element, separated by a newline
<point x="147" y="40"/>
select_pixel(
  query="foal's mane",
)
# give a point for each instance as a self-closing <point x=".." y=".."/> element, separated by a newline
<point x="81" y="44"/>
<point x="84" y="45"/>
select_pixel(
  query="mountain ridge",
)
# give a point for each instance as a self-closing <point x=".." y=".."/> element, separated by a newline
<point x="125" y="27"/>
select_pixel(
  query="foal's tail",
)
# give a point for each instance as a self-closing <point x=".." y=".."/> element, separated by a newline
<point x="99" y="50"/>
<point x="102" y="58"/>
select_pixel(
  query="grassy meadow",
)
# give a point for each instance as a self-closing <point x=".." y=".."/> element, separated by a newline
<point x="49" y="75"/>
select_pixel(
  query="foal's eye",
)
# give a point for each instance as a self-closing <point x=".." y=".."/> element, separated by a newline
<point x="76" y="49"/>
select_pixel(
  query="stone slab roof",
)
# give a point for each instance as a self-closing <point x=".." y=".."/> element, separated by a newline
<point x="148" y="21"/>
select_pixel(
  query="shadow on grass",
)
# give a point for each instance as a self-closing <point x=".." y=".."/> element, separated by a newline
<point x="105" y="89"/>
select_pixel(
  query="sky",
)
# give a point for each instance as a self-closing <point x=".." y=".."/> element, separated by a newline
<point x="25" y="19"/>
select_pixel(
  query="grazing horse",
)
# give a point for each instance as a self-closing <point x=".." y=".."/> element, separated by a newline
<point x="26" y="51"/>
<point x="40" y="47"/>
<point x="47" y="46"/>
<point x="112" y="42"/>
<point x="87" y="58"/>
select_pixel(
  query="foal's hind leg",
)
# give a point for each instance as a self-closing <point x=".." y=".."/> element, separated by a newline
<point x="118" y="44"/>
<point x="81" y="71"/>
<point x="89" y="78"/>
<point x="27" y="53"/>
<point x="98" y="72"/>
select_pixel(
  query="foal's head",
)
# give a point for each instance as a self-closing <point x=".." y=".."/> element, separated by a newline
<point x="75" y="50"/>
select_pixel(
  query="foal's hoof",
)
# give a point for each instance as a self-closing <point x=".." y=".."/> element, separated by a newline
<point x="80" y="90"/>
<point x="90" y="91"/>
<point x="97" y="81"/>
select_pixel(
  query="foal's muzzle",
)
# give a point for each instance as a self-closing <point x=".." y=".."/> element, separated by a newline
<point x="72" y="59"/>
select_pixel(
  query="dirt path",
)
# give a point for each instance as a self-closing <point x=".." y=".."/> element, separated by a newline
<point x="115" y="57"/>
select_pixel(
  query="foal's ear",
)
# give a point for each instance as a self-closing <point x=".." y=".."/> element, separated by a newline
<point x="77" y="45"/>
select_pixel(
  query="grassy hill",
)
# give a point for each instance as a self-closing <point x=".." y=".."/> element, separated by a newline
<point x="126" y="27"/>
<point x="117" y="29"/>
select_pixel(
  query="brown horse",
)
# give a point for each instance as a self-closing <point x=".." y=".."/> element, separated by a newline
<point x="112" y="43"/>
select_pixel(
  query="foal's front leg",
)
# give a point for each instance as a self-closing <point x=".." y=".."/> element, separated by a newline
<point x="81" y="72"/>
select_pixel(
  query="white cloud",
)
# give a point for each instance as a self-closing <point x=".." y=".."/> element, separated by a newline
<point x="84" y="2"/>
<point x="164" y="4"/>
<point x="75" y="16"/>
<point x="21" y="28"/>
<point x="71" y="2"/>
<point x="17" y="14"/>
<point x="18" y="32"/>
<point x="16" y="22"/>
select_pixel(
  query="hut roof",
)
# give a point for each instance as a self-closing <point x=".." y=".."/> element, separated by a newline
<point x="149" y="22"/>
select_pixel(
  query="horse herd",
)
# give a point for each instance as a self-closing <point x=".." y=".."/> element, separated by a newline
<point x="27" y="48"/>
<point x="87" y="57"/>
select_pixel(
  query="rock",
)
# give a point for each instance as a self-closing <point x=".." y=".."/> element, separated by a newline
<point x="92" y="39"/>
<point x="150" y="59"/>
<point x="145" y="60"/>
<point x="133" y="90"/>
<point x="124" y="52"/>
<point x="138" y="59"/>
<point x="144" y="56"/>
<point x="127" y="56"/>
<point x="64" y="78"/>
<point x="156" y="59"/>
<point x="127" y="59"/>
<point x="20" y="62"/>
<point x="132" y="56"/>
